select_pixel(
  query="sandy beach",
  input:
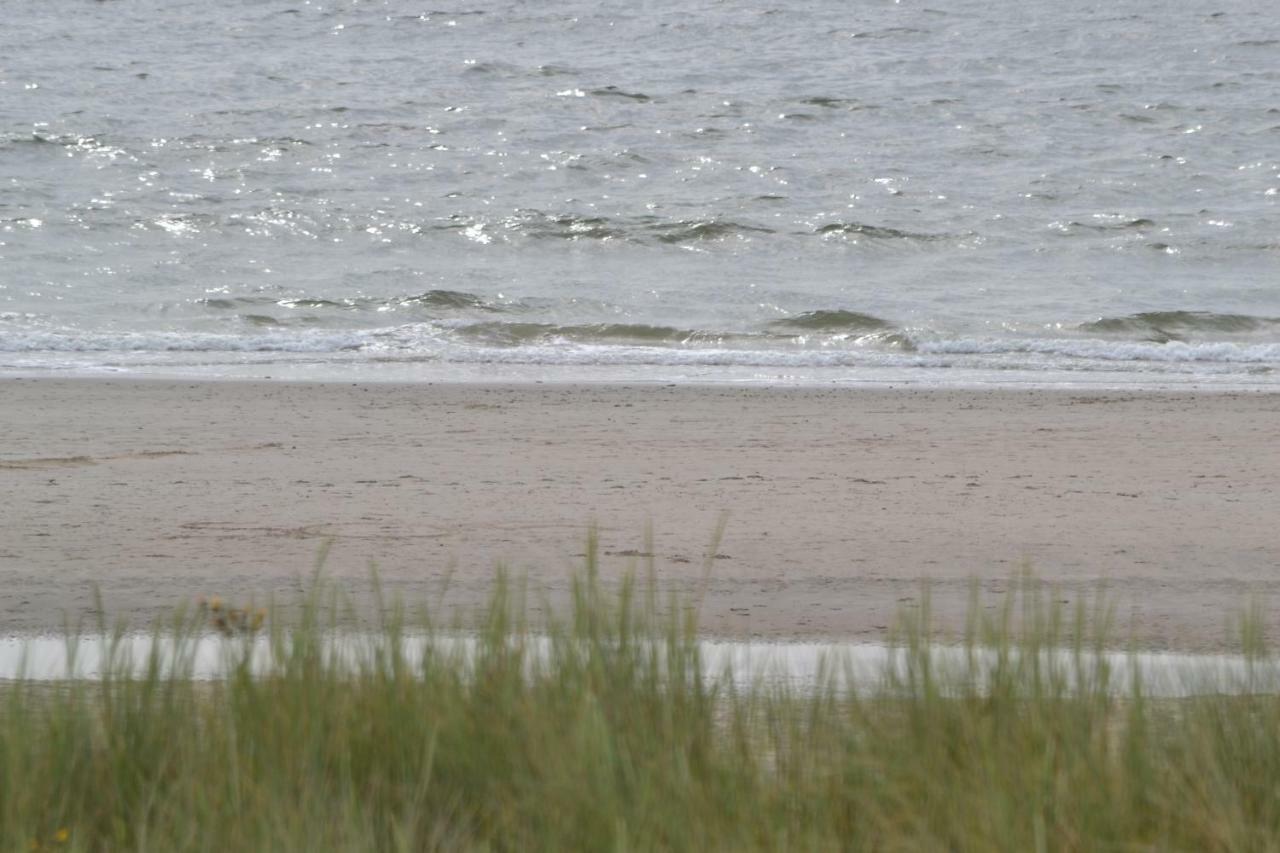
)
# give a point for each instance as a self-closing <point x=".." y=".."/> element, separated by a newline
<point x="838" y="502"/>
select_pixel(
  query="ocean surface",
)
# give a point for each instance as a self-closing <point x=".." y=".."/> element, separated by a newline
<point x="828" y="190"/>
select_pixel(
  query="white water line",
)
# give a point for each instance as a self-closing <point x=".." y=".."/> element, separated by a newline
<point x="798" y="665"/>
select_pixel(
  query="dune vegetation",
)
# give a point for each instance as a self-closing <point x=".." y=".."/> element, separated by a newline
<point x="617" y="735"/>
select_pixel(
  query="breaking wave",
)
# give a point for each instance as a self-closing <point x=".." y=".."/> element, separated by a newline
<point x="439" y="301"/>
<point x="456" y="326"/>
<point x="1170" y="326"/>
<point x="619" y="343"/>
<point x="832" y="321"/>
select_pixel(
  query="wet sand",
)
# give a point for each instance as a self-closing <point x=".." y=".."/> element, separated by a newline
<point x="838" y="501"/>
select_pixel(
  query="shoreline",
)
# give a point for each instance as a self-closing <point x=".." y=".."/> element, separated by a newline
<point x="840" y="501"/>
<point x="493" y="374"/>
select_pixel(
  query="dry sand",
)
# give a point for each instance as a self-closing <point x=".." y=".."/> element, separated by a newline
<point x="839" y="501"/>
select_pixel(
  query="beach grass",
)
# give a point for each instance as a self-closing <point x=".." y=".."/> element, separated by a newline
<point x="617" y="735"/>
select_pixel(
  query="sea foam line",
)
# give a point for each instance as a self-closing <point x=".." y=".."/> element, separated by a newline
<point x="439" y="342"/>
<point x="1101" y="350"/>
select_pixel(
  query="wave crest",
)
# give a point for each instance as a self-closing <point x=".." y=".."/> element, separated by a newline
<point x="876" y="232"/>
<point x="837" y="320"/>
<point x="1167" y="326"/>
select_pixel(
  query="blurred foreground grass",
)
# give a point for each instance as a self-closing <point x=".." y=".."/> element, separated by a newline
<point x="618" y="738"/>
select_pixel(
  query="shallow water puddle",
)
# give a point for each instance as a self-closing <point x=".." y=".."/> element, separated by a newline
<point x="798" y="665"/>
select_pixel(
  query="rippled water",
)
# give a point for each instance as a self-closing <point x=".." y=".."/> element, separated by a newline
<point x="672" y="188"/>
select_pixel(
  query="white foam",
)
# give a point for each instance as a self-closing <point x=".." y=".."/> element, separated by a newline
<point x="161" y="342"/>
<point x="66" y="348"/>
<point x="1100" y="350"/>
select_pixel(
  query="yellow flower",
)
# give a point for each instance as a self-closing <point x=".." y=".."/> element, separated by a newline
<point x="62" y="835"/>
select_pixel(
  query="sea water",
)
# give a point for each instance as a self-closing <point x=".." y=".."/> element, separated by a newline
<point x="801" y="666"/>
<point x="838" y="190"/>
